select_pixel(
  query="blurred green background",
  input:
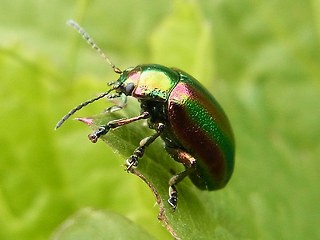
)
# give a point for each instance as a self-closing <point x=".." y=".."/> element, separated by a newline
<point x="260" y="59"/>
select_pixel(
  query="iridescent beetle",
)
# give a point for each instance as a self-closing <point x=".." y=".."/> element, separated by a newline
<point x="193" y="126"/>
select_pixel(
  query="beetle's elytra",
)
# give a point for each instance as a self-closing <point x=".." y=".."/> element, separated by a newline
<point x="193" y="126"/>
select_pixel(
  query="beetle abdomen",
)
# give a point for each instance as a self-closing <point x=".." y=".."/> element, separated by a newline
<point x="204" y="131"/>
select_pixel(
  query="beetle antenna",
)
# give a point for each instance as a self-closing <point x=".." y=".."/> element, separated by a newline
<point x="77" y="108"/>
<point x="92" y="44"/>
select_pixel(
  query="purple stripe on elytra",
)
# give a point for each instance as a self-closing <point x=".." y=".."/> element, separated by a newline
<point x="203" y="127"/>
<point x="198" y="143"/>
<point x="187" y="94"/>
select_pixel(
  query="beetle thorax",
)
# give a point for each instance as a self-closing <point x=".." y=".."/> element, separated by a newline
<point x="150" y="82"/>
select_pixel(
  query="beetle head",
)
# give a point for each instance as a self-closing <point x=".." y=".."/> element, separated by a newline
<point x="127" y="81"/>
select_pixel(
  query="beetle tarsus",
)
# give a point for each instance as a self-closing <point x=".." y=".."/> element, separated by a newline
<point x="93" y="138"/>
<point x="139" y="151"/>
<point x="132" y="161"/>
<point x="173" y="194"/>
<point x="101" y="131"/>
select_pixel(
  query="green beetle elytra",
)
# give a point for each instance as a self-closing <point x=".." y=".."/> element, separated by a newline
<point x="189" y="120"/>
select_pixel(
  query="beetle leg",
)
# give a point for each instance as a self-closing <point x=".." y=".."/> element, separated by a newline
<point x="113" y="108"/>
<point x="189" y="162"/>
<point x="118" y="104"/>
<point x="132" y="161"/>
<point x="114" y="124"/>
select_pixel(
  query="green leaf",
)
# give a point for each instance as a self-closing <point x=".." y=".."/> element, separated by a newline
<point x="99" y="224"/>
<point x="156" y="168"/>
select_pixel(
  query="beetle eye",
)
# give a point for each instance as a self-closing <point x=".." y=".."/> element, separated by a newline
<point x="129" y="88"/>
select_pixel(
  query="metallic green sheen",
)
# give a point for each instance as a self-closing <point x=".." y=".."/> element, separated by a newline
<point x="154" y="82"/>
<point x="195" y="122"/>
<point x="219" y="129"/>
<point x="203" y="129"/>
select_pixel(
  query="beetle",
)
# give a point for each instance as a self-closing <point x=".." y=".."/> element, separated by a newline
<point x="183" y="113"/>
